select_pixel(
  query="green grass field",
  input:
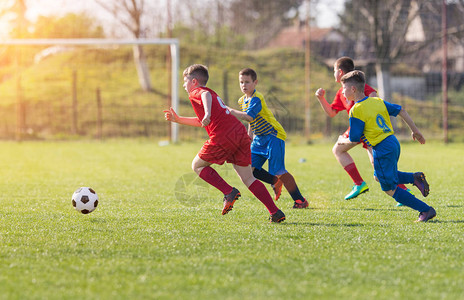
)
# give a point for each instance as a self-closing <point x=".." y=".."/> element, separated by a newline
<point x="154" y="238"/>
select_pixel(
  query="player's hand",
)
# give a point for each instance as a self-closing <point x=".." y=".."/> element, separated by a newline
<point x="206" y="120"/>
<point x="320" y="93"/>
<point x="342" y="140"/>
<point x="170" y="115"/>
<point x="417" y="136"/>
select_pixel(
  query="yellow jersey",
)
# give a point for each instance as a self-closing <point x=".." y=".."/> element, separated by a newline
<point x="264" y="122"/>
<point x="370" y="120"/>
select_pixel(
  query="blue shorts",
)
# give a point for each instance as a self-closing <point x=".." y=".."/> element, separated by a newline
<point x="269" y="148"/>
<point x="386" y="155"/>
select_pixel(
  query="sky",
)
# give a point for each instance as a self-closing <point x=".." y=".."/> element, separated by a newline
<point x="325" y="11"/>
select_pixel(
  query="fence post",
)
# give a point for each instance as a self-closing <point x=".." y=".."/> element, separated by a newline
<point x="307" y="68"/>
<point x="99" y="115"/>
<point x="225" y="83"/>
<point x="444" y="71"/>
<point x="328" y="126"/>
<point x="19" y="110"/>
<point x="74" y="102"/>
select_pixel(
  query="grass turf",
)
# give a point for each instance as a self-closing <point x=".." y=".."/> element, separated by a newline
<point x="158" y="232"/>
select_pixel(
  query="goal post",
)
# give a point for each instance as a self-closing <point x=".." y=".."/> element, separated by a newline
<point x="175" y="57"/>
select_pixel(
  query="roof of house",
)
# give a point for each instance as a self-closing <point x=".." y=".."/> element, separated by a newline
<point x="294" y="36"/>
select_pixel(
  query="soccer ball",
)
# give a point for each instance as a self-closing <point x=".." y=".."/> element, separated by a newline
<point x="85" y="200"/>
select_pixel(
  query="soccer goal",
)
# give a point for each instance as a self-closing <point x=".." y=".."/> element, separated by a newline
<point x="42" y="49"/>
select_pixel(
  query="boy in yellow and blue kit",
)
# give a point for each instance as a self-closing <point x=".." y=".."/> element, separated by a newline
<point x="269" y="138"/>
<point x="370" y="123"/>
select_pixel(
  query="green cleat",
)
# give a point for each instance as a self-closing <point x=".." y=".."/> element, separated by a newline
<point x="357" y="190"/>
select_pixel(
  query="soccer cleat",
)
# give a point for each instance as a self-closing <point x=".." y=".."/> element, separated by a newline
<point x="427" y="215"/>
<point x="421" y="183"/>
<point x="229" y="200"/>
<point x="278" y="217"/>
<point x="277" y="187"/>
<point x="301" y="204"/>
<point x="357" y="190"/>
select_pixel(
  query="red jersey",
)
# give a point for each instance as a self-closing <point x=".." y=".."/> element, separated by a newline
<point x="223" y="123"/>
<point x="340" y="103"/>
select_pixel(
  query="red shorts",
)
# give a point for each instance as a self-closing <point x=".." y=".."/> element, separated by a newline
<point x="234" y="149"/>
<point x="347" y="135"/>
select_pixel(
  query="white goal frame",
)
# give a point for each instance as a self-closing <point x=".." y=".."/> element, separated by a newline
<point x="173" y="43"/>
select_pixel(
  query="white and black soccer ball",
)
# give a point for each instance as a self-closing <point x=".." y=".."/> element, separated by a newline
<point x="85" y="200"/>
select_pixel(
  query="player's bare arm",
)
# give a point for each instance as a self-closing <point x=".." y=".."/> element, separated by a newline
<point x="241" y="115"/>
<point x="320" y="94"/>
<point x="171" y="115"/>
<point x="250" y="132"/>
<point x="207" y="102"/>
<point x="416" y="134"/>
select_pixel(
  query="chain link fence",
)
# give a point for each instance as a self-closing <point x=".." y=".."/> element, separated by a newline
<point x="94" y="93"/>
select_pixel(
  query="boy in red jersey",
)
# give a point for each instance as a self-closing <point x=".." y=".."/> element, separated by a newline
<point x="342" y="66"/>
<point x="228" y="142"/>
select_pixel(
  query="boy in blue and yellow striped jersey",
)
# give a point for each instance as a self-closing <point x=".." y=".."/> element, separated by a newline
<point x="269" y="138"/>
<point x="370" y="123"/>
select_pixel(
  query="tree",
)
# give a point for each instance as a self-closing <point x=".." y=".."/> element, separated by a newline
<point x="129" y="13"/>
<point x="260" y="20"/>
<point x="14" y="12"/>
<point x="384" y="25"/>
<point x="69" y="26"/>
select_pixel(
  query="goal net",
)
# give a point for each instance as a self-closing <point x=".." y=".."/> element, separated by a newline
<point x="59" y="88"/>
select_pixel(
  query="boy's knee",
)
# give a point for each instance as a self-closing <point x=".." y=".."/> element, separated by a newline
<point x="336" y="149"/>
<point x="196" y="167"/>
<point x="376" y="179"/>
<point x="390" y="193"/>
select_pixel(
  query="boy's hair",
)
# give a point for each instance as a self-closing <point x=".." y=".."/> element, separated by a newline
<point x="345" y="64"/>
<point x="249" y="72"/>
<point x="355" y="78"/>
<point x="199" y="72"/>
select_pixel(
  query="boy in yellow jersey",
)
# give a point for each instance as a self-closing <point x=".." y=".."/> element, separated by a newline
<point x="269" y="138"/>
<point x="342" y="66"/>
<point x="370" y="123"/>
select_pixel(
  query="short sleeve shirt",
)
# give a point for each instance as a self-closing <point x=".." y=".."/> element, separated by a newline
<point x="340" y="103"/>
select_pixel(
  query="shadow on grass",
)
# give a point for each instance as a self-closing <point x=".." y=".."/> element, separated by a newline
<point x="321" y="224"/>
<point x="447" y="221"/>
<point x="372" y="209"/>
<point x="98" y="220"/>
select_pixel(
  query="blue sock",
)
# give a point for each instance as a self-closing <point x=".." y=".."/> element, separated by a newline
<point x="404" y="177"/>
<point x="408" y="199"/>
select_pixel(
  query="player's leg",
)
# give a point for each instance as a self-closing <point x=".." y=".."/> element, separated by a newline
<point x="371" y="159"/>
<point x="277" y="166"/>
<point x="417" y="179"/>
<point x="267" y="177"/>
<point x="426" y="212"/>
<point x="259" y="190"/>
<point x="208" y="174"/>
<point x="386" y="168"/>
<point x="257" y="162"/>
<point x="290" y="185"/>
<point x="340" y="151"/>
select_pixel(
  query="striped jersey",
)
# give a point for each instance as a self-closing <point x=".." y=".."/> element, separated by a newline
<point x="264" y="122"/>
